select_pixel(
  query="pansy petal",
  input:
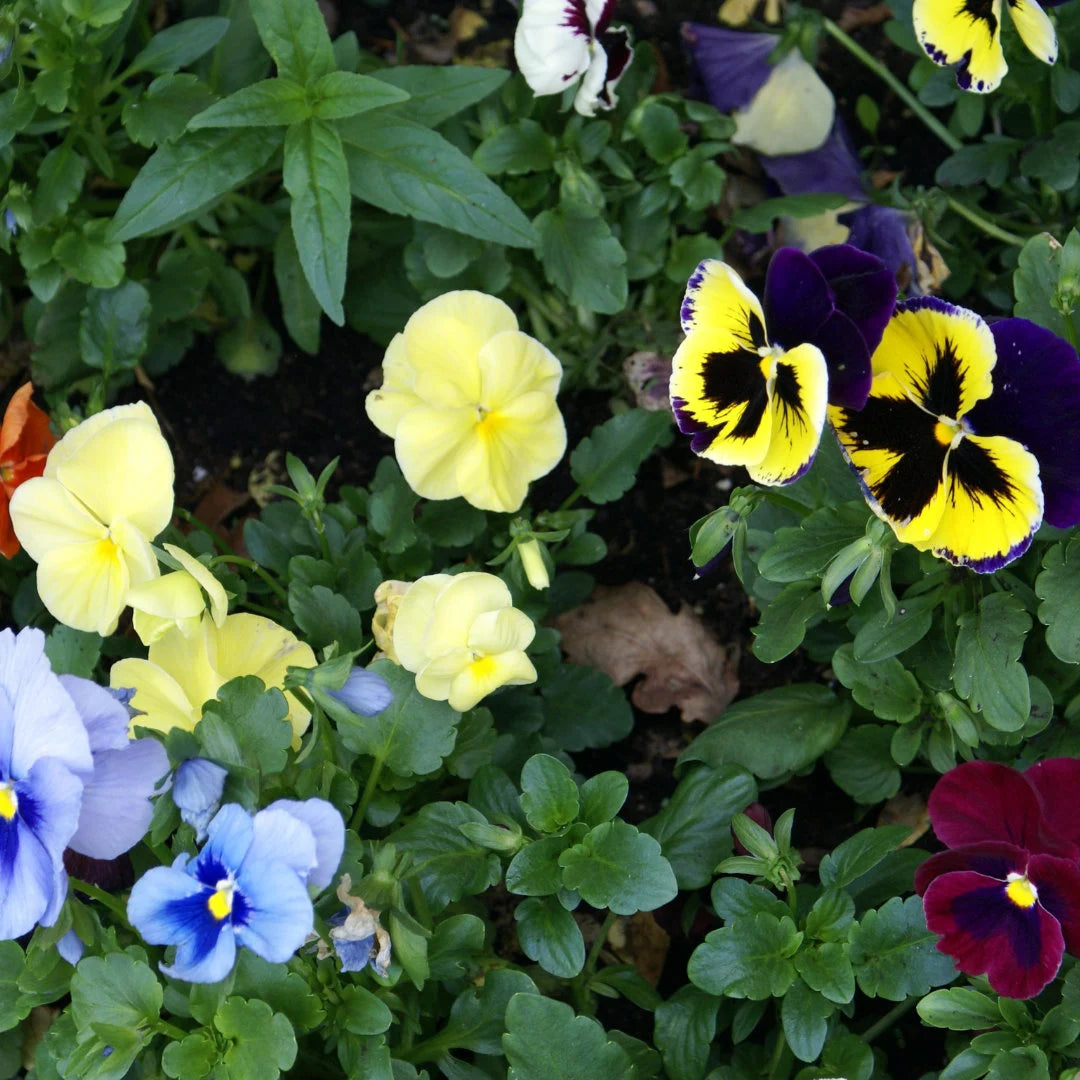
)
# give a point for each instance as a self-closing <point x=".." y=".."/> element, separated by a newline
<point x="158" y="696"/>
<point x="796" y="414"/>
<point x="1019" y="949"/>
<point x="412" y="618"/>
<point x="590" y="95"/>
<point x="46" y="517"/>
<point x="982" y="801"/>
<point x="506" y="630"/>
<point x="847" y="359"/>
<point x="797" y="298"/>
<point x="230" y="835"/>
<point x="328" y="829"/>
<point x="511" y="364"/>
<point x="459" y="603"/>
<point x="196" y="790"/>
<point x="283" y="837"/>
<point x="116" y="807"/>
<point x="279" y="914"/>
<point x="105" y="719"/>
<point x="832" y="167"/>
<point x="957" y="32"/>
<point x="863" y="287"/>
<point x="733" y="66"/>
<point x="84" y="585"/>
<point x="49" y="797"/>
<point x="1035" y="28"/>
<point x="884" y="231"/>
<point x="551" y="44"/>
<point x="616" y="47"/>
<point x="1036" y="401"/>
<point x="717" y="299"/>
<point x="791" y="114"/>
<point x="481" y="677"/>
<point x="1058" y="884"/>
<point x="27" y="879"/>
<point x="719" y="393"/>
<point x="25" y="429"/>
<point x="991" y="505"/>
<point x="156" y="906"/>
<point x="206" y="957"/>
<point x="990" y="858"/>
<point x="1056" y="782"/>
<point x="436" y="677"/>
<point x="429" y="444"/>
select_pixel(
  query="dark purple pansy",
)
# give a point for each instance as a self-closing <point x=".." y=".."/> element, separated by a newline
<point x="837" y="298"/>
<point x="832" y="167"/>
<point x="1006" y="897"/>
<point x="731" y="66"/>
<point x="1036" y="401"/>
<point x="884" y="231"/>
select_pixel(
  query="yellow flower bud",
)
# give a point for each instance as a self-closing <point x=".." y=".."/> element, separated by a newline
<point x="532" y="562"/>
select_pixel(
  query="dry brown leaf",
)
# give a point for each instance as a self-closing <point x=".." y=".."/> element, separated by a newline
<point x="641" y="941"/>
<point x="628" y="630"/>
<point x="854" y="18"/>
<point x="909" y="810"/>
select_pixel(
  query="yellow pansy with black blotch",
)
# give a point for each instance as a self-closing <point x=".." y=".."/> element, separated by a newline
<point x="743" y="400"/>
<point x="968" y="33"/>
<point x="974" y="499"/>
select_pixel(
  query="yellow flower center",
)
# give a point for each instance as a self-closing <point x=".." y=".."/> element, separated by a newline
<point x="9" y="801"/>
<point x="487" y="423"/>
<point x="7" y="473"/>
<point x="483" y="667"/>
<point x="221" y="900"/>
<point x="1021" y="891"/>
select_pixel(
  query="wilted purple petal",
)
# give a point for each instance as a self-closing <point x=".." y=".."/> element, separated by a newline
<point x="883" y="231"/>
<point x="832" y="167"/>
<point x="733" y="66"/>
<point x="1036" y="401"/>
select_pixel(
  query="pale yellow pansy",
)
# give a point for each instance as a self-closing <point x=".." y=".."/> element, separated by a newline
<point x="106" y="492"/>
<point x="470" y="403"/>
<point x="182" y="673"/>
<point x="177" y="599"/>
<point x="462" y="637"/>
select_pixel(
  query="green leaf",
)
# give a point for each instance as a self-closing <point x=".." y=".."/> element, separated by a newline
<point x="833" y="912"/>
<point x="549" y="795"/>
<point x="619" y="868"/>
<point x="886" y="687"/>
<point x="882" y="635"/>
<point x="783" y="623"/>
<point x="584" y="709"/>
<point x="184" y="178"/>
<point x="751" y="958"/>
<point x="827" y="969"/>
<point x="362" y="1013"/>
<point x="283" y="990"/>
<point x="300" y="310"/>
<point x="454" y="943"/>
<point x="699" y="177"/>
<point x="89" y="257"/>
<point x="97" y="12"/>
<point x="179" y="45"/>
<point x="685" y="1029"/>
<point x="59" y="181"/>
<point x="162" y="111"/>
<point x="959" y="1009"/>
<point x="862" y="764"/>
<point x="406" y="168"/>
<point x="326" y="616"/>
<point x="17" y="108"/>
<point x="391" y="508"/>
<point x="191" y="1058"/>
<point x="11" y="966"/>
<point x="773" y="733"/>
<point x="605" y="463"/>
<point x="342" y="94"/>
<point x="477" y="1016"/>
<point x="437" y="93"/>
<point x="246" y="725"/>
<point x="987" y="671"/>
<point x="805" y="1018"/>
<point x="894" y="955"/>
<point x="535" y="870"/>
<point x="270" y="103"/>
<point x="759" y="217"/>
<point x="263" y="1043"/>
<point x="546" y="1041"/>
<point x="583" y="258"/>
<point x="693" y="828"/>
<point x="1020" y="1063"/>
<point x="517" y="148"/>
<point x="412" y="735"/>
<point x="295" y="35"/>
<point x="1035" y="283"/>
<point x="73" y="652"/>
<point x="988" y="162"/>
<point x="1057" y="587"/>
<point x="117" y="989"/>
<point x="451" y="522"/>
<point x="447" y="864"/>
<point x="801" y="551"/>
<point x="602" y="796"/>
<point x="114" y="327"/>
<point x="735" y="898"/>
<point x="858" y="854"/>
<point x="549" y="934"/>
<point x="317" y="177"/>
<point x="658" y="129"/>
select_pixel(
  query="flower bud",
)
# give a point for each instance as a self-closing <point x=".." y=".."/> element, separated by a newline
<point x="532" y="562"/>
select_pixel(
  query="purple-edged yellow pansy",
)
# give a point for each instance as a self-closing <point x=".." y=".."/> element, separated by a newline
<point x="969" y="494"/>
<point x="751" y="381"/>
<point x="1005" y="898"/>
<point x="968" y="33"/>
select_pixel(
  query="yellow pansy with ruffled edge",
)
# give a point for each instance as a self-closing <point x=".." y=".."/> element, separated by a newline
<point x="968" y="33"/>
<point x="182" y="673"/>
<point x="469" y="401"/>
<point x="176" y="599"/>
<point x="462" y="637"/>
<point x="106" y="492"/>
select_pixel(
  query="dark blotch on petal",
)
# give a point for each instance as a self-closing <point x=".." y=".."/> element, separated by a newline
<point x="992" y="859"/>
<point x="1036" y="402"/>
<point x="736" y="378"/>
<point x="1058" y="883"/>
<point x="973" y="468"/>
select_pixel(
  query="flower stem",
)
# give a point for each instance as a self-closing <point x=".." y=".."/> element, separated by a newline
<point x="894" y="84"/>
<point x="890" y="1018"/>
<point x="989" y="227"/>
<point x="778" y="1053"/>
<point x="369" y="792"/>
<point x="253" y="566"/>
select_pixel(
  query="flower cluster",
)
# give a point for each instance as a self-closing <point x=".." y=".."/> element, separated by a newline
<point x="69" y="777"/>
<point x="459" y="634"/>
<point x="470" y="403"/>
<point x="247" y="887"/>
<point x="1005" y="897"/>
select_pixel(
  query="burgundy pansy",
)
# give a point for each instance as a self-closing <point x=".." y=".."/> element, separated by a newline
<point x="1005" y="899"/>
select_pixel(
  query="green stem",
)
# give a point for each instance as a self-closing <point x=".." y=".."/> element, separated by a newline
<point x="570" y="499"/>
<point x="101" y="896"/>
<point x="598" y="943"/>
<point x="890" y="1018"/>
<point x="191" y="519"/>
<point x="989" y="227"/>
<point x="777" y="1054"/>
<point x="369" y="792"/>
<point x="163" y="1027"/>
<point x="253" y="566"/>
<point x="894" y="84"/>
